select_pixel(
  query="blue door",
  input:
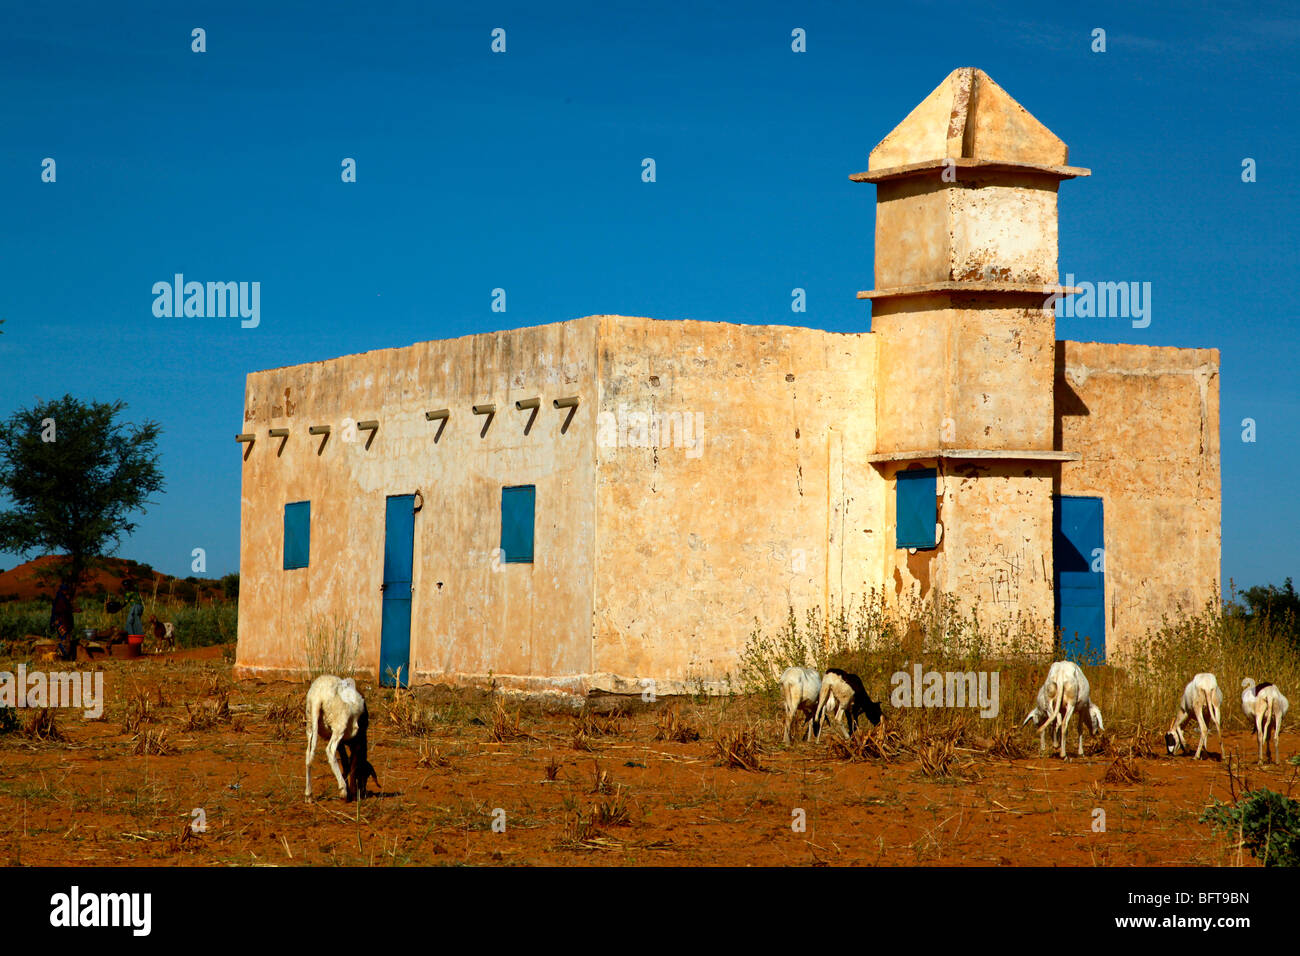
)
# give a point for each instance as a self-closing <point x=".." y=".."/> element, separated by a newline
<point x="1079" y="556"/>
<point x="395" y="634"/>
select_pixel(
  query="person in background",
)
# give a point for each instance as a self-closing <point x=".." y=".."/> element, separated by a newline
<point x="134" y="610"/>
<point x="61" y="619"/>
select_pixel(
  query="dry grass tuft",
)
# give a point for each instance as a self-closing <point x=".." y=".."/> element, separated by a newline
<point x="430" y="756"/>
<point x="138" y="711"/>
<point x="283" y="715"/>
<point x="670" y="726"/>
<point x="854" y="749"/>
<point x="578" y="829"/>
<point x="601" y="781"/>
<point x="42" y="725"/>
<point x="1133" y="742"/>
<point x="204" y="715"/>
<point x="613" y="812"/>
<point x="408" y="717"/>
<point x="1124" y="770"/>
<point x="938" y="757"/>
<point x="552" y="768"/>
<point x="505" y="725"/>
<point x="738" y="747"/>
<point x="592" y="724"/>
<point x="878" y="743"/>
<point x="284" y="709"/>
<point x="1007" y="745"/>
<point x="153" y="742"/>
<point x="331" y="646"/>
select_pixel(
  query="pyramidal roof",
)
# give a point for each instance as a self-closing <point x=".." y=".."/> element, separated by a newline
<point x="969" y="117"/>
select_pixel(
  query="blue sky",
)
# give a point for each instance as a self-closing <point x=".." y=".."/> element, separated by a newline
<point x="522" y="170"/>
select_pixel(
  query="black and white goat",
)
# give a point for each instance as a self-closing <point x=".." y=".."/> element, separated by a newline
<point x="1264" y="704"/>
<point x="1064" y="691"/>
<point x="842" y="694"/>
<point x="1202" y="698"/>
<point x="336" y="711"/>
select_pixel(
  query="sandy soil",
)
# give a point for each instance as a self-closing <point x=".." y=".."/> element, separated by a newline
<point x="91" y="799"/>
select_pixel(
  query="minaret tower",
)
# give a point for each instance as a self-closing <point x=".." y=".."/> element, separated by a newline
<point x="966" y="264"/>
<point x="963" y="319"/>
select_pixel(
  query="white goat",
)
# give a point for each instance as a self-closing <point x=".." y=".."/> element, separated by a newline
<point x="1203" y="698"/>
<point x="800" y="687"/>
<point x="336" y="711"/>
<point x="1264" y="704"/>
<point x="843" y="694"/>
<point x="1065" y="690"/>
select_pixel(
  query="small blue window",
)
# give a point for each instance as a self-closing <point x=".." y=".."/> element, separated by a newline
<point x="297" y="534"/>
<point x="917" y="512"/>
<point x="517" y="506"/>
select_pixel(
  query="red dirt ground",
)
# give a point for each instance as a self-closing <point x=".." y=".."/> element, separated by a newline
<point x="90" y="800"/>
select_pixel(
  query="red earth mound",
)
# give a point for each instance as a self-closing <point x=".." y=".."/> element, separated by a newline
<point x="37" y="579"/>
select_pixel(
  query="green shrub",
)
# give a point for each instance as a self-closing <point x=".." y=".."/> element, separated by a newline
<point x="20" y="618"/>
<point x="1267" y="822"/>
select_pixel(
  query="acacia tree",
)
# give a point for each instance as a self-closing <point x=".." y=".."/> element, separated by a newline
<point x="73" y="473"/>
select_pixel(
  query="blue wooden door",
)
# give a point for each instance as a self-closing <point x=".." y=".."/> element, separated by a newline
<point x="1079" y="556"/>
<point x="395" y="633"/>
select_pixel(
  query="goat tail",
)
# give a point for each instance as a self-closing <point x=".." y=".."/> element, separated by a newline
<point x="1270" y="712"/>
<point x="1056" y="702"/>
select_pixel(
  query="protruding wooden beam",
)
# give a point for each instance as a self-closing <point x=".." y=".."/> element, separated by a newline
<point x="571" y="403"/>
<point x="283" y="435"/>
<point x="532" y="405"/>
<point x="440" y="416"/>
<point x="324" y="432"/>
<point x="489" y="410"/>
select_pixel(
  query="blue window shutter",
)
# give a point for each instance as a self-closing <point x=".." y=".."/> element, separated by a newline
<point x="297" y="534"/>
<point x="517" y="507"/>
<point x="917" y="511"/>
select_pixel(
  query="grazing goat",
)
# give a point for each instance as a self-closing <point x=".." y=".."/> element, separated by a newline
<point x="336" y="711"/>
<point x="164" y="634"/>
<point x="842" y="694"/>
<point x="1203" y="698"/>
<point x="800" y="687"/>
<point x="1264" y="704"/>
<point x="1065" y="690"/>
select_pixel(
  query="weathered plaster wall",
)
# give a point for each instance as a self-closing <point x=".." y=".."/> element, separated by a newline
<point x="1000" y="540"/>
<point x="1146" y="421"/>
<point x="960" y="371"/>
<point x="1003" y="228"/>
<point x="470" y="613"/>
<point x="775" y="507"/>
<point x="983" y="226"/>
<point x="994" y="553"/>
